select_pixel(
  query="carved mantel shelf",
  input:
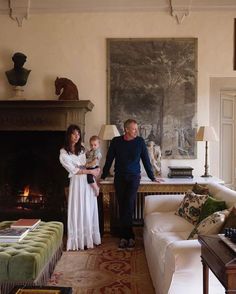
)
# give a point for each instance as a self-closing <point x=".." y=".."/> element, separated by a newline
<point x="42" y="115"/>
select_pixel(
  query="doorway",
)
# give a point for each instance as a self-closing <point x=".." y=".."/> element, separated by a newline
<point x="227" y="138"/>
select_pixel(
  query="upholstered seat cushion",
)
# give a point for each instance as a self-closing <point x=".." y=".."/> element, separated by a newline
<point x="24" y="261"/>
<point x="158" y="222"/>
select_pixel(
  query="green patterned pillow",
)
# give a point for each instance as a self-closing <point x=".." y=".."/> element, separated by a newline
<point x="210" y="225"/>
<point x="210" y="206"/>
<point x="191" y="206"/>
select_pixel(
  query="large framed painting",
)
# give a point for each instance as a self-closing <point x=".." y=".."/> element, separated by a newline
<point x="154" y="81"/>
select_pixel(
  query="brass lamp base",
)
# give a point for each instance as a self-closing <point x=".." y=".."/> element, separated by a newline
<point x="206" y="166"/>
<point x="206" y="176"/>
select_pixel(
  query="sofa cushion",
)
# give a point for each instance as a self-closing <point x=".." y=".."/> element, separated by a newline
<point x="230" y="220"/>
<point x="222" y="193"/>
<point x="157" y="222"/>
<point x="210" y="206"/>
<point x="190" y="207"/>
<point x="210" y="225"/>
<point x="200" y="189"/>
<point x="162" y="203"/>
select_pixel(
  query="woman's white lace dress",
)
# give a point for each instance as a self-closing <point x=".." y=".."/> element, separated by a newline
<point x="83" y="224"/>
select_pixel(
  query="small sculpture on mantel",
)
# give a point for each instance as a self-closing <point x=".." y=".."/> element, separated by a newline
<point x="67" y="87"/>
<point x="154" y="152"/>
<point x="18" y="75"/>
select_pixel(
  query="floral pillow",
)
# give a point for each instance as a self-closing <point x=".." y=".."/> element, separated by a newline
<point x="210" y="225"/>
<point x="190" y="207"/>
<point x="200" y="189"/>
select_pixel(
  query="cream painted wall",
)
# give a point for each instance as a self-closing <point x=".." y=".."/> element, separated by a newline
<point x="74" y="46"/>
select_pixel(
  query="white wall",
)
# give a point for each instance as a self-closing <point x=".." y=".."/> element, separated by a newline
<point x="74" y="46"/>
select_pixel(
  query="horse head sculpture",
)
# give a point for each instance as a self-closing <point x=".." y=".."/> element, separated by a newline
<point x="66" y="89"/>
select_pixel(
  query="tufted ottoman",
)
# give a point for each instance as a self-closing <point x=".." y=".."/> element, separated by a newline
<point x="31" y="261"/>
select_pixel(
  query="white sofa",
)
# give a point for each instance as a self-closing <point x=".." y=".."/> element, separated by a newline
<point x="174" y="262"/>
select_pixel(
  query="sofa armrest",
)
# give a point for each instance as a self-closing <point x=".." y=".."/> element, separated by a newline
<point x="162" y="203"/>
<point x="184" y="255"/>
<point x="182" y="258"/>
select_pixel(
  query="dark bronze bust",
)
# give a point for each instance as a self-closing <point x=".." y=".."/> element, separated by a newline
<point x="18" y="75"/>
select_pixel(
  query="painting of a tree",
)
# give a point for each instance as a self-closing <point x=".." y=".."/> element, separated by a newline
<point x="154" y="81"/>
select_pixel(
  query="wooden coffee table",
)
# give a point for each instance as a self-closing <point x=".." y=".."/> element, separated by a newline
<point x="221" y="260"/>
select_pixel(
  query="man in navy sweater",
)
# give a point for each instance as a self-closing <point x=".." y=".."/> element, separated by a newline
<point x="127" y="150"/>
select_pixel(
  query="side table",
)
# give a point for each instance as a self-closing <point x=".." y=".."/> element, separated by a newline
<point x="221" y="260"/>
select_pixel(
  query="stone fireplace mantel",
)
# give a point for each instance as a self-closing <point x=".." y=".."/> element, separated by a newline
<point x="32" y="134"/>
<point x="42" y="115"/>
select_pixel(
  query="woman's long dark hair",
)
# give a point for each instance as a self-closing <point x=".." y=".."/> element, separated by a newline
<point x="78" y="145"/>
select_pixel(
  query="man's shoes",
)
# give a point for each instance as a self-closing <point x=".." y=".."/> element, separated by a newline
<point x="126" y="244"/>
<point x="131" y="244"/>
<point x="123" y="244"/>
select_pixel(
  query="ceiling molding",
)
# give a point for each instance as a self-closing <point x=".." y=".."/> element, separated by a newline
<point x="180" y="9"/>
<point x="19" y="10"/>
<point x="179" y="14"/>
<point x="44" y="6"/>
<point x="98" y="5"/>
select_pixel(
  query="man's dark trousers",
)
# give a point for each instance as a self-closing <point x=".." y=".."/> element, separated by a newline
<point x="126" y="187"/>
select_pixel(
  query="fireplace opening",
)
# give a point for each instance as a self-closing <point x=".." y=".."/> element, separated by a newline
<point x="32" y="181"/>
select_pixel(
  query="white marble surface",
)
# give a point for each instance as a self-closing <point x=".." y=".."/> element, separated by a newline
<point x="199" y="180"/>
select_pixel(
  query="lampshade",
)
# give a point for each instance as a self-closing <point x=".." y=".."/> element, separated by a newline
<point x="108" y="132"/>
<point x="206" y="133"/>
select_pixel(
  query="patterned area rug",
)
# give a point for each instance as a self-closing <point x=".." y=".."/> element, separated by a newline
<point x="104" y="269"/>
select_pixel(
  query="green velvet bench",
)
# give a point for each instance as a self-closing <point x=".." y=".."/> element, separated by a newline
<point x="32" y="260"/>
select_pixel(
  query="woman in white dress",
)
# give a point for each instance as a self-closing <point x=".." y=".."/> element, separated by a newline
<point x="82" y="222"/>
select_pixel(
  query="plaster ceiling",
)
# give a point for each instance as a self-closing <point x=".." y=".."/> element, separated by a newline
<point x="20" y="9"/>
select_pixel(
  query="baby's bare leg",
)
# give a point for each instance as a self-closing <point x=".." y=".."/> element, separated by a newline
<point x="95" y="187"/>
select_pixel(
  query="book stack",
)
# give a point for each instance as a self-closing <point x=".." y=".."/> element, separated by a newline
<point x="11" y="235"/>
<point x="28" y="223"/>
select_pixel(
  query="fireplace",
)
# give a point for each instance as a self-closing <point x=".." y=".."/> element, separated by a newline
<point x="30" y="197"/>
<point x="32" y="181"/>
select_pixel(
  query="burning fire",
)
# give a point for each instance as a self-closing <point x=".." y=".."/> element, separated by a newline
<point x="26" y="191"/>
<point x="28" y="196"/>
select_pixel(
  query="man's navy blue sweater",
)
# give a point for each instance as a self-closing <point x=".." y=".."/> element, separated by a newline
<point x="127" y="155"/>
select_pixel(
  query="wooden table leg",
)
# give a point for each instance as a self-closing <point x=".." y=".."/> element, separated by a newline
<point x="205" y="277"/>
<point x="231" y="283"/>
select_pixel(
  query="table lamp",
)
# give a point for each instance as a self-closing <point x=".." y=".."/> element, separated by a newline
<point x="108" y="132"/>
<point x="206" y="133"/>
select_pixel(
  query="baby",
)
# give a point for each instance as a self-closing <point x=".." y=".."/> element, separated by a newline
<point x="93" y="158"/>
